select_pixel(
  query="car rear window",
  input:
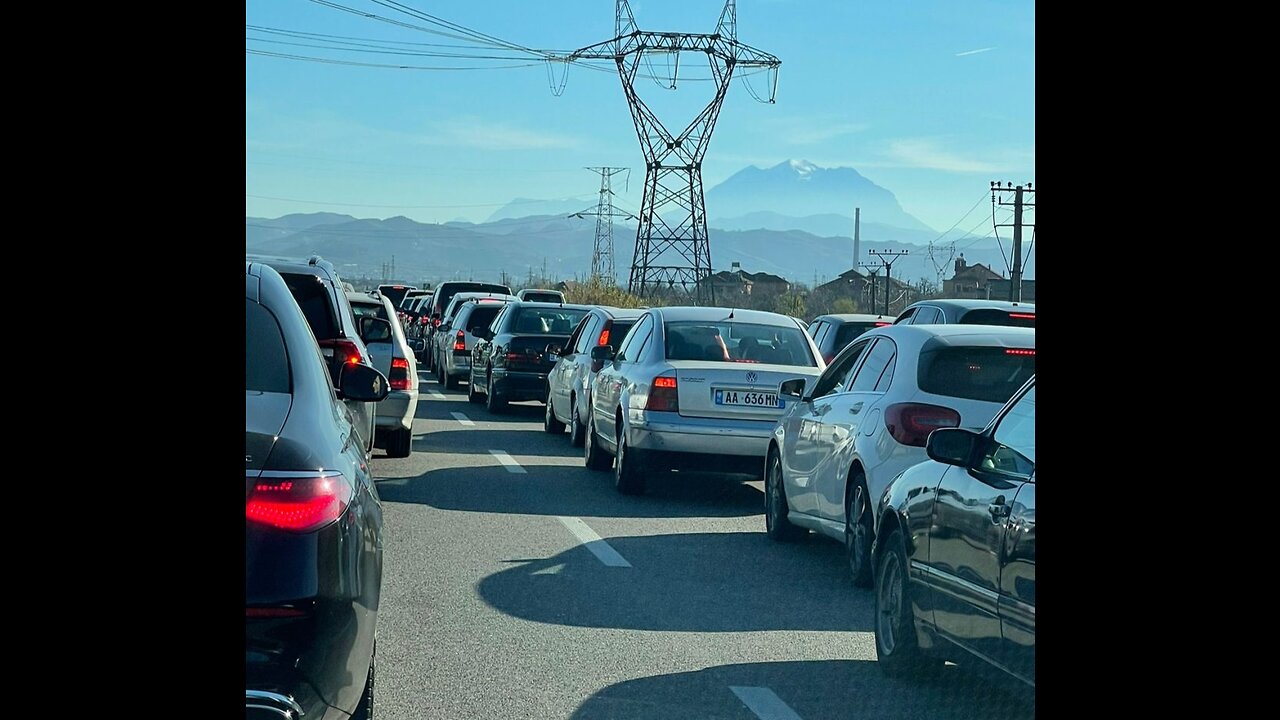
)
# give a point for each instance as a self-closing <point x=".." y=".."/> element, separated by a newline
<point x="481" y="316"/>
<point x="1010" y="318"/>
<point x="546" y="321"/>
<point x="266" y="363"/>
<point x="849" y="331"/>
<point x="314" y="299"/>
<point x="377" y="310"/>
<point x="738" y="342"/>
<point x="445" y="293"/>
<point x="543" y="297"/>
<point x="991" y="374"/>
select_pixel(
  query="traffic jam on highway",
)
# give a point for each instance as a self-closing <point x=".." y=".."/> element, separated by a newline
<point x="471" y="502"/>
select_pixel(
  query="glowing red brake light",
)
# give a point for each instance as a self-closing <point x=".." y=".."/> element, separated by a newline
<point x="399" y="378"/>
<point x="301" y="504"/>
<point x="1023" y="316"/>
<point x="1019" y="351"/>
<point x="459" y="343"/>
<point x="911" y="423"/>
<point x="604" y="337"/>
<point x="883" y="324"/>
<point x="345" y="350"/>
<point x="664" y="395"/>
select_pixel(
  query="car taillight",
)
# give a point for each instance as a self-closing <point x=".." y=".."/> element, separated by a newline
<point x="435" y="322"/>
<point x="423" y="320"/>
<point x="883" y="324"/>
<point x="663" y="395"/>
<point x="515" y="357"/>
<point x="399" y="377"/>
<point x="299" y="504"/>
<point x="1019" y="351"/>
<point x="604" y="337"/>
<point x="911" y="423"/>
<point x="1023" y="316"/>
<point x="343" y="349"/>
<point x="459" y="343"/>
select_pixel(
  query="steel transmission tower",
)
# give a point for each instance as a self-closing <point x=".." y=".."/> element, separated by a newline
<point x="605" y="212"/>
<point x="672" y="246"/>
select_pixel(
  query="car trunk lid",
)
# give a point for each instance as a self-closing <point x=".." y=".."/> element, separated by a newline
<point x="741" y="391"/>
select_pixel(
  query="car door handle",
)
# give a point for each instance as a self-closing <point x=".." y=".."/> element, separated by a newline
<point x="855" y="408"/>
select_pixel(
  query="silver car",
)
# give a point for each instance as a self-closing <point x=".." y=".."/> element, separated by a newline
<point x="459" y="336"/>
<point x="694" y="388"/>
<point x="569" y="382"/>
<point x="393" y="358"/>
<point x="444" y="341"/>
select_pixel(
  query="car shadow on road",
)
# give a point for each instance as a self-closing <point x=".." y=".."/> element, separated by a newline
<point x="814" y="690"/>
<point x="478" y="441"/>
<point x="573" y="491"/>
<point x="690" y="582"/>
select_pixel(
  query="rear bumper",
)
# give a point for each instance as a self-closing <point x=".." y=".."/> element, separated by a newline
<point x="670" y="433"/>
<point x="517" y="386"/>
<point x="457" y="365"/>
<point x="397" y="409"/>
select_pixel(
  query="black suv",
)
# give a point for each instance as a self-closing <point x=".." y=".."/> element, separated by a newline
<point x="318" y="290"/>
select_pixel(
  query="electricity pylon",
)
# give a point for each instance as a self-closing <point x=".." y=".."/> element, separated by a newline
<point x="605" y="212"/>
<point x="672" y="245"/>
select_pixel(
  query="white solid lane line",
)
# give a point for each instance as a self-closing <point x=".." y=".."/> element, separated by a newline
<point x="601" y="549"/>
<point x="462" y="419"/>
<point x="508" y="462"/>
<point x="764" y="703"/>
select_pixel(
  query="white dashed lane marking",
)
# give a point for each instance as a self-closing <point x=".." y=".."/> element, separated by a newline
<point x="764" y="703"/>
<point x="464" y="420"/>
<point x="508" y="462"/>
<point x="601" y="549"/>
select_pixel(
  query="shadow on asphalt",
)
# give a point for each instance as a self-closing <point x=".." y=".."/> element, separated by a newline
<point x="572" y="490"/>
<point x="694" y="582"/>
<point x="814" y="690"/>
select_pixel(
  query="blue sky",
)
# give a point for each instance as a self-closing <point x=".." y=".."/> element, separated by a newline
<point x="931" y="100"/>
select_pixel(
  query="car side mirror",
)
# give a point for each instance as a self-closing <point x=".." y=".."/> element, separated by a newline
<point x="953" y="446"/>
<point x="600" y="354"/>
<point x="553" y="349"/>
<point x="374" y="329"/>
<point x="793" y="389"/>
<point x="362" y="383"/>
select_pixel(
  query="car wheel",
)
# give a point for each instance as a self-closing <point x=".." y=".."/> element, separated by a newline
<point x="400" y="443"/>
<point x="549" y="422"/>
<point x="628" y="473"/>
<point x="776" y="523"/>
<point x="577" y="433"/>
<point x="596" y="457"/>
<point x="364" y="711"/>
<point x="492" y="402"/>
<point x="897" y="648"/>
<point x="472" y="394"/>
<point x="858" y="532"/>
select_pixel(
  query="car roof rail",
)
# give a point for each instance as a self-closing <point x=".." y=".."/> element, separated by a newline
<point x="314" y="260"/>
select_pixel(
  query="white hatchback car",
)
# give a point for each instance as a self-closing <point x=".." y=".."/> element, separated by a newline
<point x="393" y="358"/>
<point x="837" y="447"/>
<point x="694" y="388"/>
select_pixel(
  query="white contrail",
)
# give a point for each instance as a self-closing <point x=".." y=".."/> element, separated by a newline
<point x="973" y="52"/>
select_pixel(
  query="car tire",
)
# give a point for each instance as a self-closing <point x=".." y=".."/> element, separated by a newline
<point x="364" y="711"/>
<point x="897" y="647"/>
<point x="594" y="455"/>
<point x="577" y="433"/>
<point x="492" y="402"/>
<point x="777" y="525"/>
<point x="400" y="443"/>
<point x="858" y="531"/>
<point x="472" y="394"/>
<point x="628" y="468"/>
<point x="549" y="422"/>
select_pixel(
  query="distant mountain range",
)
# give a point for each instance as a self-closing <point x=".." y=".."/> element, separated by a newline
<point x="806" y="232"/>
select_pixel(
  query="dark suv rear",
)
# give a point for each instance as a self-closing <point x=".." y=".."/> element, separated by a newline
<point x="317" y="288"/>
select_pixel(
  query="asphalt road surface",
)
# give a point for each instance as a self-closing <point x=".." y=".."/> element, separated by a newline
<point x="519" y="584"/>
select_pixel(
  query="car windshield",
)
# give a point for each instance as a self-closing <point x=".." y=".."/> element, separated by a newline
<point x="739" y="342"/>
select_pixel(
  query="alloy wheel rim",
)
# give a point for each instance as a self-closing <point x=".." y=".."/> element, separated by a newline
<point x="890" y="603"/>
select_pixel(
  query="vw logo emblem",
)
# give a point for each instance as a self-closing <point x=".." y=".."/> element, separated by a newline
<point x="751" y="377"/>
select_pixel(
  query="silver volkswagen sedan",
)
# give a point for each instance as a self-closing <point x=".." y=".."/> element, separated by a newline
<point x="694" y="388"/>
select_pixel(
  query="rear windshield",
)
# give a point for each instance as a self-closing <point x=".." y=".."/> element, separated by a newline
<point x="1014" y="318"/>
<point x="377" y="310"/>
<point x="444" y="294"/>
<point x="266" y="364"/>
<point x="738" y="342"/>
<point x="481" y="316"/>
<point x="849" y="331"/>
<point x="543" y="297"/>
<point x="546" y="321"/>
<point x="992" y="374"/>
<point x="314" y="299"/>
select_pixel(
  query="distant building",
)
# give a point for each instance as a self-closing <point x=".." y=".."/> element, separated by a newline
<point x="1000" y="290"/>
<point x="972" y="281"/>
<point x="732" y="283"/>
<point x="858" y="286"/>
